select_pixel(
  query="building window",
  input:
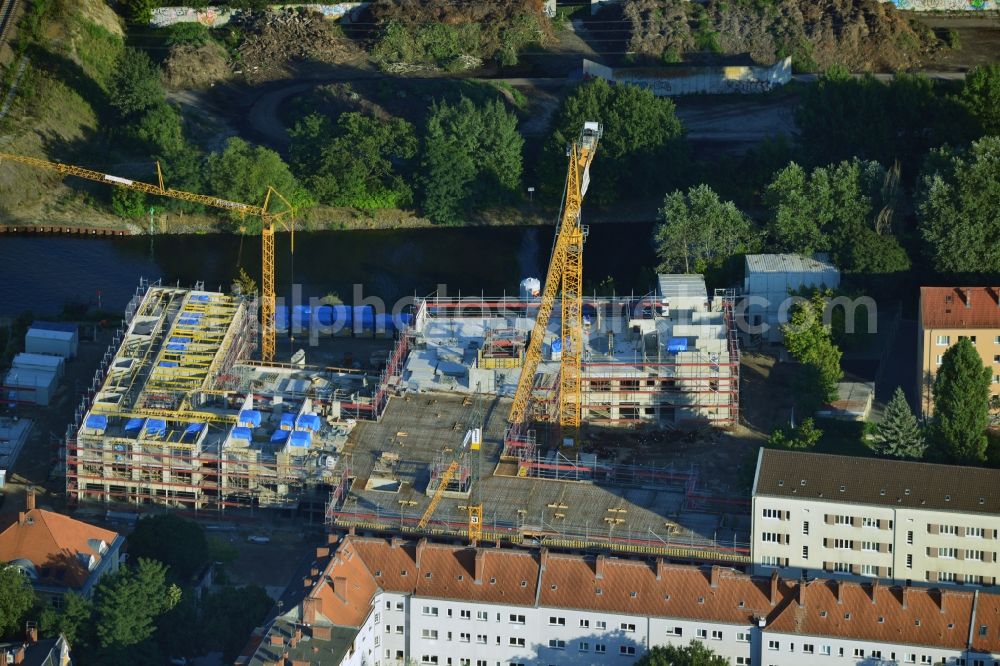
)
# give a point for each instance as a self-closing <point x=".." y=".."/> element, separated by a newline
<point x="557" y="644"/>
<point x="940" y="359"/>
<point x="911" y="659"/>
<point x="378" y="640"/>
<point x="974" y="555"/>
<point x="807" y="648"/>
<point x="630" y="628"/>
<point x="601" y="624"/>
<point x="516" y="619"/>
<point x="909" y="537"/>
<point x="947" y="553"/>
<point x="824" y="650"/>
<point x="771" y="537"/>
<point x="842" y="520"/>
<point x="600" y="648"/>
<point x="716" y="635"/>
<point x="584" y="624"/>
<point x="805" y="552"/>
<point x="842" y="544"/>
<point x="773" y="645"/>
<point x="743" y="661"/>
<point x="675" y="631"/>
<point x="974" y="532"/>
<point x="947" y="529"/>
<point x="399" y="605"/>
<point x="869" y="570"/>
<point x="465" y="637"/>
<point x="557" y="621"/>
<point x="465" y="614"/>
<point x="482" y="615"/>
<point x="584" y="647"/>
<point x="870" y="546"/>
<point x="909" y="561"/>
<point x="770" y="561"/>
<point x="626" y="650"/>
<point x="996" y="358"/>
<point x="946" y="577"/>
<point x="429" y="659"/>
<point x="701" y="633"/>
<point x="377" y="617"/>
<point x="859" y="653"/>
<point x="429" y="634"/>
<point x="805" y="527"/>
<point x="481" y="639"/>
<point x="841" y="567"/>
<point x="516" y="641"/>
<point x="399" y="628"/>
<point x="943" y="340"/>
<point x="869" y="522"/>
<point x="926" y="659"/>
<point x="741" y="637"/>
<point x="774" y="514"/>
<point x="430" y="610"/>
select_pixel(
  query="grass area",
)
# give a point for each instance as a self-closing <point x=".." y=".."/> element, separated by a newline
<point x="565" y="15"/>
<point x="844" y="438"/>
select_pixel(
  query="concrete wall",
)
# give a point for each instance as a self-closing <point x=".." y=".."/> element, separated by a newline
<point x="684" y="80"/>
<point x="214" y="17"/>
<point x="945" y="5"/>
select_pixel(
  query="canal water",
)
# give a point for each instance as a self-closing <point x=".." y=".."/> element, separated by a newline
<point x="43" y="273"/>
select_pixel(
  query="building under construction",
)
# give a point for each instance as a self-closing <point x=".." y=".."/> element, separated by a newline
<point x="179" y="415"/>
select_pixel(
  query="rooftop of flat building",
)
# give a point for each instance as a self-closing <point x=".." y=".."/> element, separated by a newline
<point x="874" y="481"/>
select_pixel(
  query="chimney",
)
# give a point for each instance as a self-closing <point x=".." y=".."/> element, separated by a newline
<point x="311" y="606"/>
<point x="480" y="568"/>
<point x="296" y="636"/>
<point x="906" y="596"/>
<point x="801" y="594"/>
<point x="277" y="640"/>
<point x="332" y="539"/>
<point x="21" y="518"/>
<point x="421" y="547"/>
<point x="340" y="588"/>
<point x="599" y="567"/>
<point x="322" y="633"/>
<point x="661" y="569"/>
<point x="29" y="499"/>
<point x="996" y="295"/>
<point x="19" y="654"/>
<point x="396" y="542"/>
<point x="714" y="575"/>
<point x="875" y="587"/>
<point x="774" y="588"/>
<point x="307" y="582"/>
<point x="840" y="591"/>
<point x="944" y="595"/>
<point x="313" y="572"/>
<point x="966" y="297"/>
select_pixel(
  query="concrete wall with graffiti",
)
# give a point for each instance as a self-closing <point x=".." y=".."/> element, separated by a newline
<point x="684" y="80"/>
<point x="945" y="5"/>
<point x="214" y="17"/>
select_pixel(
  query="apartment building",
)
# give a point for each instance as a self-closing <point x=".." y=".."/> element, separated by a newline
<point x="948" y="314"/>
<point x="445" y="605"/>
<point x="850" y="517"/>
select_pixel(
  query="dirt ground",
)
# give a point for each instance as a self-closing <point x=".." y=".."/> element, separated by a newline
<point x="978" y="35"/>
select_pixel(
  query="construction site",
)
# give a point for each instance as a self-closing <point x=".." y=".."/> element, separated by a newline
<point x="512" y="420"/>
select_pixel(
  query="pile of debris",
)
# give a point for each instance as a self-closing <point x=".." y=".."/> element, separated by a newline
<point x="275" y="38"/>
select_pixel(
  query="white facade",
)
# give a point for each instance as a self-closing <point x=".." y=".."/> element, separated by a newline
<point x="41" y="362"/>
<point x="767" y="282"/>
<point x="797" y="650"/>
<point x="57" y="343"/>
<point x="30" y="386"/>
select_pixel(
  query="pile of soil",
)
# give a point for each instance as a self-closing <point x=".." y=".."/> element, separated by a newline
<point x="190" y="66"/>
<point x="864" y="35"/>
<point x="276" y="38"/>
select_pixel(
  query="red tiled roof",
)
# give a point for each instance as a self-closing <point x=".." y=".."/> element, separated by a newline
<point x="960" y="307"/>
<point x="362" y="566"/>
<point x="52" y="542"/>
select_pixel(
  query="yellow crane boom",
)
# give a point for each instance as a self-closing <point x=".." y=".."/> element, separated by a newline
<point x="565" y="270"/>
<point x="268" y="219"/>
<point x="446" y="478"/>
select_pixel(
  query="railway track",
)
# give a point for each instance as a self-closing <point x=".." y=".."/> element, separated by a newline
<point x="7" y="8"/>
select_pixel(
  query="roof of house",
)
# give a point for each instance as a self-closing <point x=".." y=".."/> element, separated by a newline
<point x="57" y="546"/>
<point x="786" y="263"/>
<point x="873" y="481"/>
<point x="44" y="652"/>
<point x="986" y="626"/>
<point x="281" y="644"/>
<point x="960" y="307"/>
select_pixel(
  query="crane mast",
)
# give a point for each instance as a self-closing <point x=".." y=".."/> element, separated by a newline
<point x="565" y="270"/>
<point x="268" y="220"/>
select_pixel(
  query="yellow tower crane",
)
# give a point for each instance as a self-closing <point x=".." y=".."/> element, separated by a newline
<point x="565" y="270"/>
<point x="268" y="220"/>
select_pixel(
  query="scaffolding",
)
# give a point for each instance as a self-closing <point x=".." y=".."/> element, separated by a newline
<point x="502" y="348"/>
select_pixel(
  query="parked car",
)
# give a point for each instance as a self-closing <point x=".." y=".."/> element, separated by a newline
<point x="258" y="539"/>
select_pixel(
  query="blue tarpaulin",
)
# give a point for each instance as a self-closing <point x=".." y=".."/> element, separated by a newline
<point x="300" y="438"/>
<point x="191" y="432"/>
<point x="308" y="422"/>
<point x="177" y="340"/>
<point x="199" y="298"/>
<point x="176" y="346"/>
<point x="250" y="418"/>
<point x="677" y="344"/>
<point x="287" y="421"/>
<point x="189" y="322"/>
<point x="168" y="364"/>
<point x="242" y="433"/>
<point x="97" y="422"/>
<point x="279" y="436"/>
<point x="156" y="427"/>
<point x="134" y="425"/>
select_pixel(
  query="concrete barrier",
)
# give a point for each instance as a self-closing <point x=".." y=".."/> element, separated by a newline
<point x="696" y="80"/>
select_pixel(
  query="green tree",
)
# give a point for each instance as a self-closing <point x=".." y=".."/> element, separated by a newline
<point x="135" y="85"/>
<point x="470" y="154"/>
<point x="641" y="153"/>
<point x="140" y="11"/>
<point x="353" y="165"/>
<point x="159" y="127"/>
<point x="128" y="204"/>
<point x="243" y="172"/>
<point x="700" y="231"/>
<point x="809" y="340"/>
<point x="177" y="542"/>
<point x="74" y="620"/>
<point x="898" y="434"/>
<point x="957" y="208"/>
<point x="981" y="96"/>
<point x="229" y="615"/>
<point x="693" y="654"/>
<point x="803" y="436"/>
<point x="16" y="599"/>
<point x="961" y="405"/>
<point x="128" y="603"/>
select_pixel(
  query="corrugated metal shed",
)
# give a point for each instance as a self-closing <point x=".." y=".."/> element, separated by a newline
<point x="785" y="263"/>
